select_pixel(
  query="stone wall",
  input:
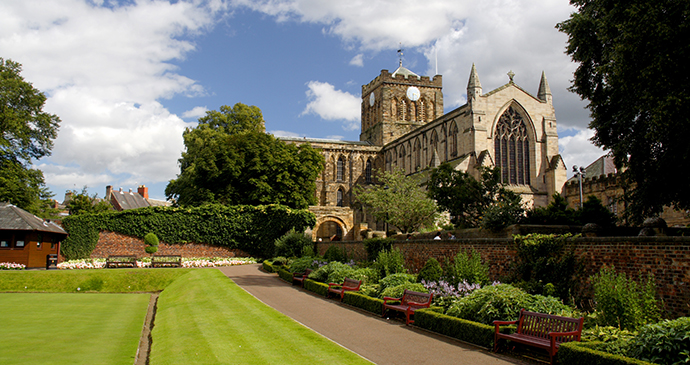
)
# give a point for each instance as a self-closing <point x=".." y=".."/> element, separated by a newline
<point x="668" y="258"/>
<point x="111" y="243"/>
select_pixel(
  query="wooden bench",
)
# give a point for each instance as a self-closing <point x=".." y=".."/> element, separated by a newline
<point x="340" y="289"/>
<point x="166" y="261"/>
<point x="121" y="261"/>
<point x="544" y="331"/>
<point x="300" y="277"/>
<point x="409" y="302"/>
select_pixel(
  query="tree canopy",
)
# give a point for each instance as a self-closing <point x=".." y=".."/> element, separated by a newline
<point x="632" y="56"/>
<point x="26" y="133"/>
<point x="399" y="200"/>
<point x="230" y="160"/>
<point x="82" y="202"/>
<point x="468" y="200"/>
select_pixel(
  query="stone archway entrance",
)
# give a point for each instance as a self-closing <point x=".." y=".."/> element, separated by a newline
<point x="329" y="230"/>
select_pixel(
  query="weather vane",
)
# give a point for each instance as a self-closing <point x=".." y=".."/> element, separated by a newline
<point x="400" y="53"/>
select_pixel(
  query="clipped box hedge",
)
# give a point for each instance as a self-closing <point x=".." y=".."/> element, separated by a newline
<point x="316" y="287"/>
<point x="369" y="304"/>
<point x="575" y="353"/>
<point x="476" y="333"/>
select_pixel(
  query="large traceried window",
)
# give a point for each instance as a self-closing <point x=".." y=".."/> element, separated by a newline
<point x="511" y="144"/>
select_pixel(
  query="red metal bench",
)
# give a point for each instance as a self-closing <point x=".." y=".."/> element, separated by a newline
<point x="409" y="302"/>
<point x="340" y="289"/>
<point x="300" y="277"/>
<point x="544" y="331"/>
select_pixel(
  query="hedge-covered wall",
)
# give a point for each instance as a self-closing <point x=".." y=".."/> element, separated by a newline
<point x="252" y="229"/>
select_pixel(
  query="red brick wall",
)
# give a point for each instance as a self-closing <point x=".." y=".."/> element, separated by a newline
<point x="668" y="258"/>
<point x="111" y="243"/>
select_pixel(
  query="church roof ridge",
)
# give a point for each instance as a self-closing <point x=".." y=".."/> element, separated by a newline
<point x="404" y="71"/>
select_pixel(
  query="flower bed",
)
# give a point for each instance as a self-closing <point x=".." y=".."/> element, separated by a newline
<point x="144" y="262"/>
<point x="11" y="266"/>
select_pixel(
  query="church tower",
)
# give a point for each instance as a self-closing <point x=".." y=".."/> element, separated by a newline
<point x="395" y="104"/>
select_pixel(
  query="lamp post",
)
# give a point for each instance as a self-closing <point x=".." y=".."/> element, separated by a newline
<point x="580" y="173"/>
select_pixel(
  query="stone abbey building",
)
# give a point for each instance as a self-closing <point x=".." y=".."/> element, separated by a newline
<point x="403" y="127"/>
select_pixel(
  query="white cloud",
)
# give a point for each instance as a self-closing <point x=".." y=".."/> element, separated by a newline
<point x="578" y="150"/>
<point x="103" y="68"/>
<point x="279" y="133"/>
<point x="331" y="104"/>
<point x="357" y="60"/>
<point x="196" y="112"/>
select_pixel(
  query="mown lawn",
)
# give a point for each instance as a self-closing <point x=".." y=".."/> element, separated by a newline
<point x="63" y="328"/>
<point x="204" y="318"/>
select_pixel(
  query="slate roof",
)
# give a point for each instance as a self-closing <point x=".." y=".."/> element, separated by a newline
<point x="129" y="200"/>
<point x="13" y="218"/>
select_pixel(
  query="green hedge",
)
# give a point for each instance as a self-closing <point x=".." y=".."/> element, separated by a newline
<point x="575" y="353"/>
<point x="369" y="304"/>
<point x="252" y="229"/>
<point x="468" y="331"/>
<point x="285" y="274"/>
<point x="316" y="287"/>
<point x="267" y="266"/>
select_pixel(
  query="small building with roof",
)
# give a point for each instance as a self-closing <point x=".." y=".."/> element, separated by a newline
<point x="27" y="239"/>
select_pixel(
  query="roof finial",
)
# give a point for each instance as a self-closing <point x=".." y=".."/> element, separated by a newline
<point x="400" y="53"/>
<point x="511" y="74"/>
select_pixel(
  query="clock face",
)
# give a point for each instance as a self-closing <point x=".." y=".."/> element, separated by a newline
<point x="372" y="98"/>
<point x="413" y="93"/>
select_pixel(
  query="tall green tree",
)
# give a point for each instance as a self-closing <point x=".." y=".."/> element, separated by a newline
<point x="468" y="199"/>
<point x="399" y="200"/>
<point x="632" y="57"/>
<point x="81" y="202"/>
<point x="26" y="134"/>
<point x="230" y="160"/>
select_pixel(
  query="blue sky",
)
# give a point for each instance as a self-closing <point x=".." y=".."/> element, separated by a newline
<point x="126" y="77"/>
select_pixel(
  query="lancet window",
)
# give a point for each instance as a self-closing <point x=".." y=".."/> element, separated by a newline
<point x="511" y="144"/>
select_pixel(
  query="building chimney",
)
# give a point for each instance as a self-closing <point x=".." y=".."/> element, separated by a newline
<point x="108" y="192"/>
<point x="143" y="191"/>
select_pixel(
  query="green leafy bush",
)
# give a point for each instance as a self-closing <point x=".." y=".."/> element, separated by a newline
<point x="292" y="244"/>
<point x="376" y="245"/>
<point x="395" y="280"/>
<point x="151" y="242"/>
<point x="432" y="271"/>
<point x="334" y="272"/>
<point x="390" y="262"/>
<point x="252" y="229"/>
<point x="366" y="274"/>
<point x="544" y="259"/>
<point x="467" y="266"/>
<point x="490" y="303"/>
<point x="609" y="339"/>
<point x="666" y="342"/>
<point x="622" y="302"/>
<point x="550" y="305"/>
<point x="302" y="264"/>
<point x="335" y="253"/>
<point x="397" y="291"/>
<point x="577" y="353"/>
<point x="370" y="290"/>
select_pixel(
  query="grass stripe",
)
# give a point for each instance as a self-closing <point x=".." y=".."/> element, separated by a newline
<point x="205" y="318"/>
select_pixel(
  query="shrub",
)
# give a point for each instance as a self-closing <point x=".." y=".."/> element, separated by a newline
<point x="609" y="339"/>
<point x="292" y="244"/>
<point x="360" y="300"/>
<point x="335" y="253"/>
<point x="431" y="271"/>
<point x="395" y="280"/>
<point x="506" y="211"/>
<point x="550" y="305"/>
<point x="334" y="272"/>
<point x="543" y="259"/>
<point x="576" y="353"/>
<point x="397" y="291"/>
<point x="490" y="303"/>
<point x="367" y="275"/>
<point x="467" y="266"/>
<point x="151" y="242"/>
<point x="376" y="245"/>
<point x="390" y="262"/>
<point x="464" y="330"/>
<point x="666" y="342"/>
<point x="446" y="295"/>
<point x="622" y="302"/>
<point x="302" y="264"/>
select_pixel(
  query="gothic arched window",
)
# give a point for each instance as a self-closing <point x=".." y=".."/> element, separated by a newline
<point x="339" y="197"/>
<point x="367" y="172"/>
<point x="417" y="155"/>
<point x="402" y="158"/>
<point x="453" y="139"/>
<point x="511" y="145"/>
<point x="340" y="170"/>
